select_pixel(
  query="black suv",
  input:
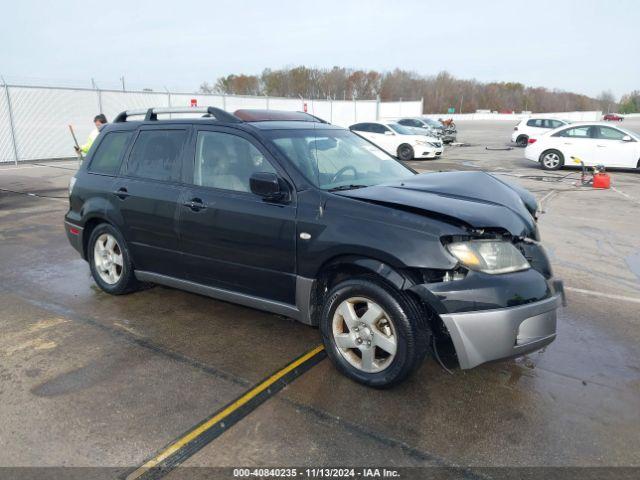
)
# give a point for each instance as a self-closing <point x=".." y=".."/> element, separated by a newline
<point x="286" y="213"/>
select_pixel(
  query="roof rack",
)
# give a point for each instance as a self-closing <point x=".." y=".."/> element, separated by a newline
<point x="151" y="114"/>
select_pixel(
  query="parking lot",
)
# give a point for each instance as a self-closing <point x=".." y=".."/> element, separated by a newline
<point x="94" y="380"/>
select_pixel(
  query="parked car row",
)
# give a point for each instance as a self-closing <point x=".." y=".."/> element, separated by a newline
<point x="594" y="143"/>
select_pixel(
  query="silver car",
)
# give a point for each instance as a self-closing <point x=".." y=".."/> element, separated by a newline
<point x="427" y="126"/>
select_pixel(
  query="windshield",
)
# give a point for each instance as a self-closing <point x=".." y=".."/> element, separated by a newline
<point x="399" y="129"/>
<point x="432" y="123"/>
<point x="333" y="159"/>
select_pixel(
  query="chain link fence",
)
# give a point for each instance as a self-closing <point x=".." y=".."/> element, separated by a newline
<point x="34" y="120"/>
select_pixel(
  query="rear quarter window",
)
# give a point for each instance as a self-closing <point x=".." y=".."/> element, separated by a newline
<point x="109" y="154"/>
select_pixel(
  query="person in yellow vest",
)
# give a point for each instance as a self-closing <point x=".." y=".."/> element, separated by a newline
<point x="100" y="121"/>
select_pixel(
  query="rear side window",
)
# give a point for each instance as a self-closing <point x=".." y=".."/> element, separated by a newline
<point x="107" y="158"/>
<point x="156" y="155"/>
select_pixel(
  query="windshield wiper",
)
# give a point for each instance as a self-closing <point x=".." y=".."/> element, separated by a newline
<point x="346" y="187"/>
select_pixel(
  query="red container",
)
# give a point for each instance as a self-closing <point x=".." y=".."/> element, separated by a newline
<point x="601" y="180"/>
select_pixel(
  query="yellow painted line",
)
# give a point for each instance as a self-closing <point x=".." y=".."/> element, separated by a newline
<point x="196" y="432"/>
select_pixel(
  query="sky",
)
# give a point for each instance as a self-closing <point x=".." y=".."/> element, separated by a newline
<point x="583" y="46"/>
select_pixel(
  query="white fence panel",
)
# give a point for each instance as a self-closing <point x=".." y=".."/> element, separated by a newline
<point x="6" y="143"/>
<point x="344" y="113"/>
<point x="184" y="100"/>
<point x="400" y="109"/>
<point x="321" y="109"/>
<point x="42" y="114"/>
<point x="114" y="102"/>
<point x="365" y="111"/>
<point x="41" y="118"/>
<point x="291" y="104"/>
<point x="236" y="103"/>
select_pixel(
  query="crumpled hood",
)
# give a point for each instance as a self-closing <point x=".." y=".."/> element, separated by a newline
<point x="476" y="199"/>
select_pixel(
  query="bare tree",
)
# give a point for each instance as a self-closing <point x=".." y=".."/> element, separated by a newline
<point x="439" y="92"/>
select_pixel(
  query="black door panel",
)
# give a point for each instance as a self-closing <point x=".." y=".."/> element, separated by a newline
<point x="150" y="196"/>
<point x="150" y="211"/>
<point x="231" y="238"/>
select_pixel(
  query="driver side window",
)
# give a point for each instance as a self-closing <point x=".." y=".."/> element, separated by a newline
<point x="227" y="161"/>
<point x="377" y="128"/>
<point x="608" y="133"/>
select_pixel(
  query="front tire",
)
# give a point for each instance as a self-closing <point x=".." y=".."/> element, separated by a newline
<point x="405" y="152"/>
<point x="373" y="333"/>
<point x="110" y="261"/>
<point x="551" y="160"/>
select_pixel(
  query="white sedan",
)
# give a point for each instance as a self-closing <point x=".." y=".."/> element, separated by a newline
<point x="398" y="141"/>
<point x="594" y="143"/>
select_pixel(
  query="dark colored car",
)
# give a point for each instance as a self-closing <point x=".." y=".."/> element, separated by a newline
<point x="283" y="212"/>
<point x="614" y="117"/>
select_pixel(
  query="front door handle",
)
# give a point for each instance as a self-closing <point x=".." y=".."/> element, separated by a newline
<point x="121" y="193"/>
<point x="195" y="204"/>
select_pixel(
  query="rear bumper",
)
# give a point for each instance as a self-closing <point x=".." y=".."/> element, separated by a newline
<point x="485" y="335"/>
<point x="531" y="154"/>
<point x="74" y="235"/>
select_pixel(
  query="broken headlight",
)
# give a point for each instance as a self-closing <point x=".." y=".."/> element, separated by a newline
<point x="489" y="256"/>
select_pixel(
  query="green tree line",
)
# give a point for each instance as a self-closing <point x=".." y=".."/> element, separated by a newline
<point x="439" y="92"/>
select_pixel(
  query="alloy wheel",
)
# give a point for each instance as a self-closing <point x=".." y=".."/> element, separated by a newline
<point x="364" y="334"/>
<point x="551" y="160"/>
<point x="107" y="258"/>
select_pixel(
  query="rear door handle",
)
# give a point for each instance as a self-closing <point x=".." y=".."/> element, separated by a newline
<point x="195" y="204"/>
<point x="121" y="193"/>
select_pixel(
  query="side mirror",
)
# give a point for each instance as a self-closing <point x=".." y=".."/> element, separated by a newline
<point x="266" y="185"/>
<point x="627" y="138"/>
<point x="388" y="132"/>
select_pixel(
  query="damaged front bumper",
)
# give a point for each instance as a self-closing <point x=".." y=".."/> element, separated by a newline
<point x="486" y="335"/>
<point x="491" y="317"/>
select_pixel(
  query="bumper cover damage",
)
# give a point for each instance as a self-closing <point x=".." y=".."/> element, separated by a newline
<point x="486" y="335"/>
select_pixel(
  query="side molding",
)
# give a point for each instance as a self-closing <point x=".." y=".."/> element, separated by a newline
<point x="299" y="312"/>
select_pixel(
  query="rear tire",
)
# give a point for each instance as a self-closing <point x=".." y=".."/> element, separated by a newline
<point x="110" y="261"/>
<point x="373" y="333"/>
<point x="551" y="160"/>
<point x="405" y="152"/>
<point x="522" y="141"/>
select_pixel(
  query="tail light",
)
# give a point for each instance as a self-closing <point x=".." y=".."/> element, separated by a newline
<point x="532" y="140"/>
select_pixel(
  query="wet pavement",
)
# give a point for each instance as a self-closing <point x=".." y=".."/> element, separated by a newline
<point x="87" y="379"/>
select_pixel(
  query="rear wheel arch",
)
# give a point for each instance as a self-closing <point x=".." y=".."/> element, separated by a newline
<point x="89" y="226"/>
<point x="548" y="151"/>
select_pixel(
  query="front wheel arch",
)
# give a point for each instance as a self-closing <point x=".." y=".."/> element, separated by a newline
<point x="409" y="148"/>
